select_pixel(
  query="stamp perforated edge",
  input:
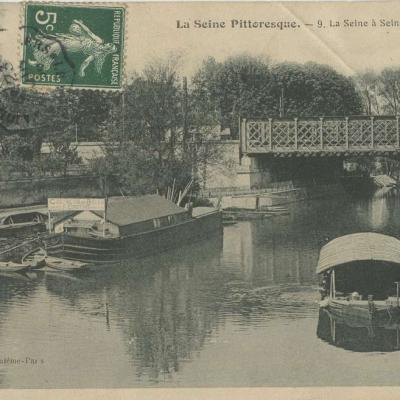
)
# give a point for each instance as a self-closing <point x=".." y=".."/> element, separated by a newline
<point x="21" y="44"/>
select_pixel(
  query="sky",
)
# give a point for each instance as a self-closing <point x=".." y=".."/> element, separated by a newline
<point x="152" y="33"/>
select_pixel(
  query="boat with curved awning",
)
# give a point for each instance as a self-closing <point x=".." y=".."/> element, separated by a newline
<point x="360" y="275"/>
<point x="22" y="221"/>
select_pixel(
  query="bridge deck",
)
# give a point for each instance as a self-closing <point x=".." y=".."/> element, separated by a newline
<point x="323" y="136"/>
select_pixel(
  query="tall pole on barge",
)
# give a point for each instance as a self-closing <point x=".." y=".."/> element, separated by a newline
<point x="48" y="219"/>
<point x="48" y="216"/>
<point x="105" y="206"/>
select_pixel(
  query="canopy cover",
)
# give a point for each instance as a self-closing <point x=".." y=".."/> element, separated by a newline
<point x="359" y="247"/>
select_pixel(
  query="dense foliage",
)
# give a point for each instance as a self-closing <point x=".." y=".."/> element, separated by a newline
<point x="60" y="118"/>
<point x="247" y="86"/>
<point x="161" y="137"/>
<point x="159" y="129"/>
<point x="380" y="91"/>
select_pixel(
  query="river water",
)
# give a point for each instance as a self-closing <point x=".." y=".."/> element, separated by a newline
<point x="236" y="311"/>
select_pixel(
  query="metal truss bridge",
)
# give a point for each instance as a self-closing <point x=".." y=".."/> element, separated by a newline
<point x="328" y="136"/>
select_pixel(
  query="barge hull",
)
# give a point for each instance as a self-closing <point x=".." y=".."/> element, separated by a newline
<point x="138" y="245"/>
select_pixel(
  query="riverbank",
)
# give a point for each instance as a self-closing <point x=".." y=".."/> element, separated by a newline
<point x="262" y="198"/>
<point x="28" y="192"/>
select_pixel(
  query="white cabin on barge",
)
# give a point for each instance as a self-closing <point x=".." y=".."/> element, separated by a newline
<point x="124" y="216"/>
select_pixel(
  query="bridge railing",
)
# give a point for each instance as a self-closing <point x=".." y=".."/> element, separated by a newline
<point x="333" y="134"/>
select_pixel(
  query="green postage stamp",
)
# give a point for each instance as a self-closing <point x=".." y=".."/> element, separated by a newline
<point x="73" y="45"/>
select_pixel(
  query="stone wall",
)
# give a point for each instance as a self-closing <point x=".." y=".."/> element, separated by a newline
<point x="36" y="191"/>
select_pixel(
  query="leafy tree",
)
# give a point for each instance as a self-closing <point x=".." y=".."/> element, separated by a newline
<point x="390" y="89"/>
<point x="153" y="122"/>
<point x="237" y="87"/>
<point x="107" y="169"/>
<point x="380" y="91"/>
<point x="91" y="110"/>
<point x="160" y="136"/>
<point x="315" y="90"/>
<point x="85" y="111"/>
<point x="153" y="105"/>
<point x="63" y="150"/>
<point x="369" y="86"/>
<point x="251" y="87"/>
<point x="14" y="146"/>
<point x="8" y="77"/>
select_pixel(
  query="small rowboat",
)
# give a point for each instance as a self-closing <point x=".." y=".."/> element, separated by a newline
<point x="11" y="266"/>
<point x="63" y="264"/>
<point x="22" y="222"/>
<point x="35" y="258"/>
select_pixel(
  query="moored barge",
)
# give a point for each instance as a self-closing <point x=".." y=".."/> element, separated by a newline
<point x="131" y="227"/>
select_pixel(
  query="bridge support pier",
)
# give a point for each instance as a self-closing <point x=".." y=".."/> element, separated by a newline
<point x="252" y="173"/>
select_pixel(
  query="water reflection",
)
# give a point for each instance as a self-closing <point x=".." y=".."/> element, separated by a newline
<point x="382" y="206"/>
<point x="165" y="305"/>
<point x="358" y="335"/>
<point x="272" y="252"/>
<point x="381" y="212"/>
<point x="14" y="287"/>
<point x="241" y="304"/>
<point x="379" y="209"/>
<point x="168" y="306"/>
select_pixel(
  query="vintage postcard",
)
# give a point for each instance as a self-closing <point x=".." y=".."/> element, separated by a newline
<point x="200" y="199"/>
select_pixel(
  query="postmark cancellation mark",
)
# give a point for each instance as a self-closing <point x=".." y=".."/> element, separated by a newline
<point x="73" y="45"/>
